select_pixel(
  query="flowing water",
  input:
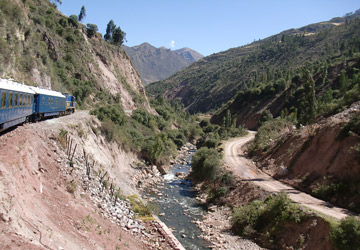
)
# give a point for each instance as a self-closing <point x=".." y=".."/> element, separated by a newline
<point x="178" y="207"/>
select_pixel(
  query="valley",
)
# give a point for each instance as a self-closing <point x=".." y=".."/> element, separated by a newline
<point x="254" y="147"/>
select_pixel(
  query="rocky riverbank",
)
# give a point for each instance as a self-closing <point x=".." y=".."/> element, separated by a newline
<point x="117" y="208"/>
<point x="216" y="228"/>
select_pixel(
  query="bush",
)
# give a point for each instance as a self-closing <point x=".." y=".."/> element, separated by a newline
<point x="113" y="113"/>
<point x="216" y="194"/>
<point x="258" y="215"/>
<point x="91" y="29"/>
<point x="270" y="131"/>
<point x="73" y="20"/>
<point x="352" y="127"/>
<point x="205" y="164"/>
<point x="346" y="235"/>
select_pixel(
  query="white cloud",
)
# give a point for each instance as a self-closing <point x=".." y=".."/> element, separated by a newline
<point x="172" y="44"/>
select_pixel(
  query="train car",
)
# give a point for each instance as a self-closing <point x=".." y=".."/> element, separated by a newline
<point x="70" y="104"/>
<point x="16" y="101"/>
<point x="48" y="103"/>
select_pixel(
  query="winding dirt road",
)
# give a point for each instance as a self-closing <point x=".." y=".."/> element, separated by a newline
<point x="245" y="169"/>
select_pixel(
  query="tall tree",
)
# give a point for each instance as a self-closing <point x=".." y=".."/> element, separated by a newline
<point x="118" y="36"/>
<point x="109" y="30"/>
<point x="82" y="14"/>
<point x="308" y="103"/>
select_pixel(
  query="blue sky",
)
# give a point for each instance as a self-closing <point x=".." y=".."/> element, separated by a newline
<point x="207" y="26"/>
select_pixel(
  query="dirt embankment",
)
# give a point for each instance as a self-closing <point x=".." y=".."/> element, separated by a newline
<point x="318" y="160"/>
<point x="313" y="232"/>
<point x="47" y="203"/>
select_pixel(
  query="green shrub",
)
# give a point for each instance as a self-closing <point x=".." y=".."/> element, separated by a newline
<point x="258" y="216"/>
<point x="352" y="127"/>
<point x="246" y="217"/>
<point x="113" y="113"/>
<point x="326" y="191"/>
<point x="270" y="131"/>
<point x="73" y="20"/>
<point x="205" y="164"/>
<point x="91" y="29"/>
<point x="216" y="193"/>
<point x="346" y="235"/>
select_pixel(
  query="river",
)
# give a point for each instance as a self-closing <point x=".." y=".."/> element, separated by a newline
<point x="178" y="207"/>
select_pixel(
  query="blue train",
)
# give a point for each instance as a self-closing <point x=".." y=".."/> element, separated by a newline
<point x="21" y="103"/>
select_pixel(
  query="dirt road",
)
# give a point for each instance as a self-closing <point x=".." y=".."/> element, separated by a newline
<point x="245" y="169"/>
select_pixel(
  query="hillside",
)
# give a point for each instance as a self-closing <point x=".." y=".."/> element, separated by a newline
<point x="64" y="186"/>
<point x="273" y="62"/>
<point x="40" y="46"/>
<point x="154" y="64"/>
<point x="321" y="159"/>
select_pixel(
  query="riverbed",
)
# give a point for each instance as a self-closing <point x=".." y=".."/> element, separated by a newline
<point x="178" y="207"/>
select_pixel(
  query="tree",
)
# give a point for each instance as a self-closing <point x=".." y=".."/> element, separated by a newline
<point x="114" y="34"/>
<point x="82" y="14"/>
<point x="308" y="102"/>
<point x="109" y="30"/>
<point x="118" y="36"/>
<point x="91" y="29"/>
<point x="343" y="82"/>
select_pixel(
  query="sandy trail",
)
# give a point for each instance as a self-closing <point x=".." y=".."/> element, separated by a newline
<point x="245" y="169"/>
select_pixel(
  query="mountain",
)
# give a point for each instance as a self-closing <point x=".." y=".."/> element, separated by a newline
<point x="189" y="54"/>
<point x="247" y="79"/>
<point x="154" y="64"/>
<point x="40" y="46"/>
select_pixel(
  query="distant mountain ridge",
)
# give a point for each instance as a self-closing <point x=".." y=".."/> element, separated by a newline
<point x="155" y="64"/>
<point x="248" y="79"/>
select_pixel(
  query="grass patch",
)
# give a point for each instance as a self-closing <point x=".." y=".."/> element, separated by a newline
<point x="71" y="187"/>
<point x="62" y="137"/>
<point x="143" y="211"/>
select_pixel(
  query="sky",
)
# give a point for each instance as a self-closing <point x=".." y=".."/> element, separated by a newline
<point x="207" y="26"/>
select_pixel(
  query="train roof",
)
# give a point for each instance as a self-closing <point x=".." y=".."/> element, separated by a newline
<point x="47" y="92"/>
<point x="15" y="86"/>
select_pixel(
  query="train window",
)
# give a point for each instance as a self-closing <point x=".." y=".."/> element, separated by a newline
<point x="56" y="101"/>
<point x="10" y="100"/>
<point x="31" y="100"/>
<point x="21" y="100"/>
<point x="3" y="99"/>
<point x="28" y="100"/>
<point x="16" y="99"/>
<point x="43" y="100"/>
